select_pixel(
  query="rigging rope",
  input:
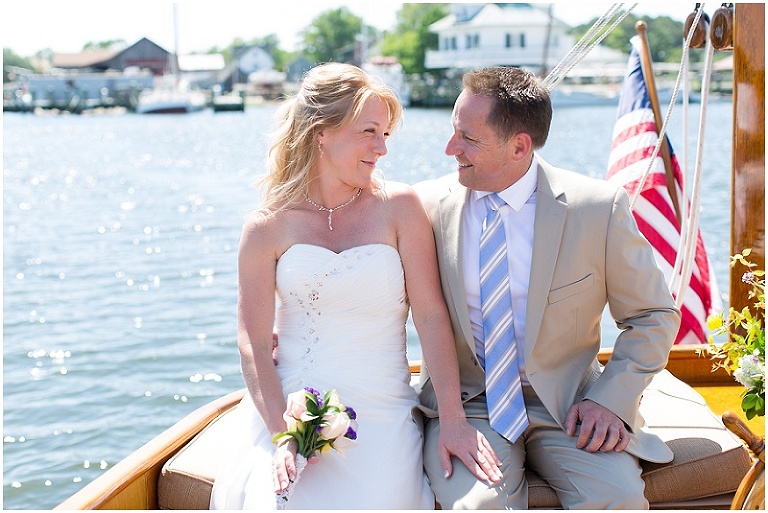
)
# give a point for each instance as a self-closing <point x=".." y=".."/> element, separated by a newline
<point x="683" y="187"/>
<point x="584" y="46"/>
<point x="668" y="115"/>
<point x="689" y="222"/>
<point x="693" y="225"/>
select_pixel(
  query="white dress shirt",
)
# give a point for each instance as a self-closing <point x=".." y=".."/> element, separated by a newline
<point x="518" y="215"/>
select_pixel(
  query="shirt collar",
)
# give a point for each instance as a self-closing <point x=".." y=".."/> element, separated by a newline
<point x="517" y="194"/>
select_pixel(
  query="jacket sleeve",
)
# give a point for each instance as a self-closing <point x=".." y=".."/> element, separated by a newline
<point x="645" y="313"/>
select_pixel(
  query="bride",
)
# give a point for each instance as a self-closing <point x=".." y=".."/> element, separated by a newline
<point x="345" y="255"/>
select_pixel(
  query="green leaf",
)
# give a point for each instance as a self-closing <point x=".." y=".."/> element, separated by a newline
<point x="760" y="405"/>
<point x="748" y="402"/>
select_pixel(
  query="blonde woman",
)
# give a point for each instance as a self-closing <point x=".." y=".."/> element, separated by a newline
<point x="345" y="254"/>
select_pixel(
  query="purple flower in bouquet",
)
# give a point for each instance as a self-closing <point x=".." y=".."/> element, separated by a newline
<point x="318" y="423"/>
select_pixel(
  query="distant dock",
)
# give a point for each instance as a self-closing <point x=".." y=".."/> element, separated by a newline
<point x="74" y="92"/>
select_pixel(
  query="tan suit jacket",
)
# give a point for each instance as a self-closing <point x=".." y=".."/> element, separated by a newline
<point x="587" y="251"/>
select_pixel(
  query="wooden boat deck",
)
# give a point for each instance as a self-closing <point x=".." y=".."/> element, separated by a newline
<point x="132" y="483"/>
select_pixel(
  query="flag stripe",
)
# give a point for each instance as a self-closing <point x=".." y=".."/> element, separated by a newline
<point x="634" y="141"/>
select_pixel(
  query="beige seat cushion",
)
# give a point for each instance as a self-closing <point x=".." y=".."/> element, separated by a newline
<point x="708" y="465"/>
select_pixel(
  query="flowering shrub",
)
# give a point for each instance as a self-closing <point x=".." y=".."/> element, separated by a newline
<point x="743" y="355"/>
<point x="318" y="423"/>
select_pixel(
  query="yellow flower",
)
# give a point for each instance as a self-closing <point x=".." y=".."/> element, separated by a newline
<point x="714" y="322"/>
<point x="743" y="354"/>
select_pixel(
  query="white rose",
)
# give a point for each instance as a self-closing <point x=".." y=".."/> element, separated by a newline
<point x="335" y="425"/>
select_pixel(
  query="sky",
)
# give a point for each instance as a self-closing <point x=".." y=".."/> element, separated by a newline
<point x="66" y="26"/>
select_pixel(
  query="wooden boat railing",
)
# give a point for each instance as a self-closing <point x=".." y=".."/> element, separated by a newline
<point x="132" y="483"/>
<point x="751" y="492"/>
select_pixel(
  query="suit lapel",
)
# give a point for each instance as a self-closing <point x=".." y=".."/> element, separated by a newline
<point x="451" y="208"/>
<point x="551" y="208"/>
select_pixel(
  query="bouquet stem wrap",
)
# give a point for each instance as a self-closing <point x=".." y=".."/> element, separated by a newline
<point x="283" y="497"/>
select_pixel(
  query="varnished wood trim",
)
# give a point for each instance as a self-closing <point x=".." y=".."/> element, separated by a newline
<point x="693" y="365"/>
<point x="688" y="363"/>
<point x="132" y="483"/>
<point x="748" y="173"/>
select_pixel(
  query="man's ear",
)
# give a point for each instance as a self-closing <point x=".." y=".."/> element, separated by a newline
<point x="522" y="146"/>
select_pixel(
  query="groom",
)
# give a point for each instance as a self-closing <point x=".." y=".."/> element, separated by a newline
<point x="526" y="273"/>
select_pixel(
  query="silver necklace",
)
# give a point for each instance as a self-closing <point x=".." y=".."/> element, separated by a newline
<point x="332" y="210"/>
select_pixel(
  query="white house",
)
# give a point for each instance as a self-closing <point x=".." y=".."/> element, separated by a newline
<point x="508" y="34"/>
<point x="252" y="58"/>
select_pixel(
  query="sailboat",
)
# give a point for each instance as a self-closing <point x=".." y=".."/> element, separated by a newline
<point x="712" y="468"/>
<point x="170" y="100"/>
<point x="172" y="96"/>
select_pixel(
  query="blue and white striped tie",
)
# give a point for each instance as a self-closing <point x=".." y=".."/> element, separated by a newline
<point x="504" y="394"/>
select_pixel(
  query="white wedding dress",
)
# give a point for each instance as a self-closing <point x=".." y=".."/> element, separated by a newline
<point x="341" y="325"/>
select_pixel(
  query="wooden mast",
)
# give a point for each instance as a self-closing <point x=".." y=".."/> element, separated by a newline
<point x="647" y="62"/>
<point x="748" y="164"/>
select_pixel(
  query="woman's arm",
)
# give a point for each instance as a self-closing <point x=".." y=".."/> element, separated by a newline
<point x="416" y="245"/>
<point x="257" y="266"/>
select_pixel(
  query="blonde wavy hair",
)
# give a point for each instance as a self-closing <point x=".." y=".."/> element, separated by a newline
<point x="332" y="95"/>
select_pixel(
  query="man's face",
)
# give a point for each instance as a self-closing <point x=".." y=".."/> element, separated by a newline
<point x="485" y="162"/>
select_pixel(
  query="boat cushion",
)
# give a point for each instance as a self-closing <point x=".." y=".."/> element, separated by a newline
<point x="709" y="461"/>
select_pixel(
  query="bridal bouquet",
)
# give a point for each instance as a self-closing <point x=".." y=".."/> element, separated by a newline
<point x="743" y="355"/>
<point x="318" y="423"/>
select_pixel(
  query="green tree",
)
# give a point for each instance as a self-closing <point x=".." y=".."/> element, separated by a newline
<point x="13" y="63"/>
<point x="270" y="43"/>
<point x="665" y="37"/>
<point x="331" y="34"/>
<point x="411" y="37"/>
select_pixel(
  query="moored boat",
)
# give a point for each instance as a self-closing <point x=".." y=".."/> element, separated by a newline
<point x="173" y="471"/>
<point x="171" y="96"/>
<point x="170" y="101"/>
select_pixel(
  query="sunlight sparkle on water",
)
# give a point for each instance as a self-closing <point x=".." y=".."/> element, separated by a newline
<point x="211" y="376"/>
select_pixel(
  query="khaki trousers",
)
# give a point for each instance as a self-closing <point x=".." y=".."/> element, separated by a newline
<point x="582" y="480"/>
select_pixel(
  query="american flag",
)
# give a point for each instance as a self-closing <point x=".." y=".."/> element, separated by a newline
<point x="634" y="141"/>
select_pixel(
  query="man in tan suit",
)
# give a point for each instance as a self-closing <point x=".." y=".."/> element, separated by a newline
<point x="572" y="246"/>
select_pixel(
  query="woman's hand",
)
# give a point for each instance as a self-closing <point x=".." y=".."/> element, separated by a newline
<point x="460" y="439"/>
<point x="284" y="465"/>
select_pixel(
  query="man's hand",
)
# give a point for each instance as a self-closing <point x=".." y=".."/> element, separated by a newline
<point x="460" y="439"/>
<point x="601" y="430"/>
<point x="274" y="347"/>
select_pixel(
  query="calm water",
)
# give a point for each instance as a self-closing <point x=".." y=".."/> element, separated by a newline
<point x="120" y="235"/>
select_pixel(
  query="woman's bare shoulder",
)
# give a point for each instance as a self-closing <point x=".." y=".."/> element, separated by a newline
<point x="400" y="192"/>
<point x="262" y="229"/>
<point x="403" y="202"/>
